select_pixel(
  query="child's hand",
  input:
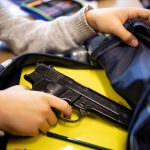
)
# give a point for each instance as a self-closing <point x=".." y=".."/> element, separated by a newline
<point x="111" y="20"/>
<point x="25" y="112"/>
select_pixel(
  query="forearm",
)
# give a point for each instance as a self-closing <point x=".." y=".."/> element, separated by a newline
<point x="23" y="35"/>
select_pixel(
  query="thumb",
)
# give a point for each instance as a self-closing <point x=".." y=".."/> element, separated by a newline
<point x="126" y="36"/>
<point x="18" y="87"/>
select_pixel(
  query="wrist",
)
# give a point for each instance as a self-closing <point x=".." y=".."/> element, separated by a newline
<point x="91" y="19"/>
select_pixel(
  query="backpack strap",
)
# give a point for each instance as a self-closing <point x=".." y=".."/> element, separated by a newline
<point x="10" y="70"/>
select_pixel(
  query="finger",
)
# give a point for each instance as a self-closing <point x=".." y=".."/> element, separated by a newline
<point x="138" y="13"/>
<point x="59" y="104"/>
<point x="18" y="87"/>
<point x="45" y="127"/>
<point x="126" y="36"/>
<point x="51" y="118"/>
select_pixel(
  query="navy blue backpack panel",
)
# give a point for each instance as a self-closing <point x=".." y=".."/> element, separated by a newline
<point x="128" y="70"/>
<point x="139" y="129"/>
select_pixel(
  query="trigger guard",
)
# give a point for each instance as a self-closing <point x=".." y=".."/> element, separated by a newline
<point x="80" y="113"/>
<point x="68" y="119"/>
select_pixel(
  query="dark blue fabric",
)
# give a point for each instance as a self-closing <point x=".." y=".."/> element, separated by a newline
<point x="126" y="67"/>
<point x="3" y="142"/>
<point x="128" y="70"/>
<point x="139" y="130"/>
<point x="1" y="68"/>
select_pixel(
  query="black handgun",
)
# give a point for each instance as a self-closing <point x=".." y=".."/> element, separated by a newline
<point x="47" y="79"/>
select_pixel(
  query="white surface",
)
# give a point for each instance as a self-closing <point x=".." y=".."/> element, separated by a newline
<point x="91" y="3"/>
<point x="14" y="9"/>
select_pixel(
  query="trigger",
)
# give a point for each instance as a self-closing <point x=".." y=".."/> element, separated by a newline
<point x="82" y="112"/>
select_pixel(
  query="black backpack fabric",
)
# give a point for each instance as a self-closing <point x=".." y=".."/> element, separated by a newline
<point x="10" y="71"/>
<point x="128" y="70"/>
